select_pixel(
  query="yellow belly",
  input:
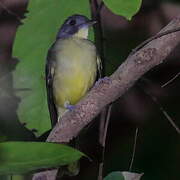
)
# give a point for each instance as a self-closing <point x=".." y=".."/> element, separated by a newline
<point x="75" y="70"/>
<point x="71" y="89"/>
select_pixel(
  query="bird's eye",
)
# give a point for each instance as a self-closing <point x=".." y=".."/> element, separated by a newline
<point x="72" y="22"/>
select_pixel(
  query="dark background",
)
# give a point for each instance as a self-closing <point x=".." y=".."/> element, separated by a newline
<point x="158" y="145"/>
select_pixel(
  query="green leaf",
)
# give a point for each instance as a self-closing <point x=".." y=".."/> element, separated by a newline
<point x="22" y="157"/>
<point x="32" y="42"/>
<point x="117" y="175"/>
<point x="126" y="8"/>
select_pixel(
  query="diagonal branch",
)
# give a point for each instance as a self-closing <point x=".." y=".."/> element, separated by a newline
<point x="120" y="81"/>
<point x="107" y="91"/>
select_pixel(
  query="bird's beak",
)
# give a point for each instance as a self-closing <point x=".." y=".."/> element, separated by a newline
<point x="91" y="22"/>
<point x="87" y="24"/>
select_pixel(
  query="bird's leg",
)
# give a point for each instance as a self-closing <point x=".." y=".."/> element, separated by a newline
<point x="70" y="107"/>
<point x="104" y="79"/>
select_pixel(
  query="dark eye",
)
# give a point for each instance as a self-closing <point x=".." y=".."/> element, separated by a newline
<point x="72" y="22"/>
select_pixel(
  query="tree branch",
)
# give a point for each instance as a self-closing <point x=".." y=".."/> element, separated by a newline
<point x="107" y="91"/>
<point x="120" y="81"/>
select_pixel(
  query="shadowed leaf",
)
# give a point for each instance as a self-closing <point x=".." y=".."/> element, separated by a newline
<point x="22" y="157"/>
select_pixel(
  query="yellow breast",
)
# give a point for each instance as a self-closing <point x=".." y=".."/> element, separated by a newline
<point x="75" y="70"/>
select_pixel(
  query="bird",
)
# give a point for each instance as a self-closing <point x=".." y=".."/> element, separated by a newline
<point x="72" y="66"/>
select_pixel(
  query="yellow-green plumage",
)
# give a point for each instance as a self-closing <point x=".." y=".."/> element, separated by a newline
<point x="75" y="69"/>
<point x="72" y="65"/>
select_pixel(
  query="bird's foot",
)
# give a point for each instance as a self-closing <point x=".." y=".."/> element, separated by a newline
<point x="68" y="106"/>
<point x="104" y="79"/>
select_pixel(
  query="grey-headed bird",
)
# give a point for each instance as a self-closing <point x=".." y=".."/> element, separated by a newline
<point x="72" y="65"/>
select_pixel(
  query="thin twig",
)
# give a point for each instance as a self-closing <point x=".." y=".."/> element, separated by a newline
<point x="10" y="12"/>
<point x="103" y="141"/>
<point x="171" y="80"/>
<point x="170" y="120"/>
<point x="107" y="123"/>
<point x="102" y="124"/>
<point x="164" y="112"/>
<point x="153" y="38"/>
<point x="134" y="149"/>
<point x="104" y="120"/>
<point x="96" y="9"/>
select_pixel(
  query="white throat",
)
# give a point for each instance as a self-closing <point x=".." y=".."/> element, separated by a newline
<point x="82" y="33"/>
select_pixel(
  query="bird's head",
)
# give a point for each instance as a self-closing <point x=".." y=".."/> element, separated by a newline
<point x="76" y="25"/>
